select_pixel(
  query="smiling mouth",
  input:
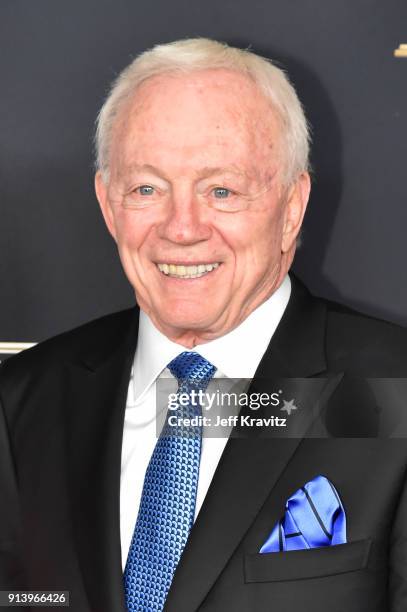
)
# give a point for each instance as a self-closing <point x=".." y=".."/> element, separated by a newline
<point x="181" y="271"/>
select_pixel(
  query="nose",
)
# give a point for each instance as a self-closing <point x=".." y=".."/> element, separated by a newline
<point x="185" y="221"/>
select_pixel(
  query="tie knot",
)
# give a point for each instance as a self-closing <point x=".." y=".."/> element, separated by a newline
<point x="192" y="368"/>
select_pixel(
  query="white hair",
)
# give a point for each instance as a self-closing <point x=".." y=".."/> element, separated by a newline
<point x="194" y="54"/>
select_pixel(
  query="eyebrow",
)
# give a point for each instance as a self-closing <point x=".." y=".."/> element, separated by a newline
<point x="209" y="171"/>
<point x="144" y="167"/>
<point x="205" y="172"/>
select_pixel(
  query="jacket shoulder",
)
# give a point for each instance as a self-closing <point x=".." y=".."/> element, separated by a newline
<point x="90" y="338"/>
<point x="364" y="344"/>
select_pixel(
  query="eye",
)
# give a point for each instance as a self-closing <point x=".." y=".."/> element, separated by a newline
<point x="221" y="192"/>
<point x="145" y="190"/>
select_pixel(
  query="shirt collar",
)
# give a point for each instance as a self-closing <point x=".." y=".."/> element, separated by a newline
<point x="236" y="354"/>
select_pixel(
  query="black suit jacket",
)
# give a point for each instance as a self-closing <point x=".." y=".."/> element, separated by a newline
<point x="61" y="429"/>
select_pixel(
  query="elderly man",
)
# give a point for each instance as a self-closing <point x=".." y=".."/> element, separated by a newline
<point x="202" y="153"/>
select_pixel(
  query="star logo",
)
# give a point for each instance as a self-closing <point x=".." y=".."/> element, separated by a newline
<point x="289" y="407"/>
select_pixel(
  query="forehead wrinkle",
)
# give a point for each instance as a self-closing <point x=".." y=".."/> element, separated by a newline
<point x="204" y="172"/>
<point x="209" y="171"/>
<point x="145" y="168"/>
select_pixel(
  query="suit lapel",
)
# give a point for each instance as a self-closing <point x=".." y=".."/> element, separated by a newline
<point x="250" y="467"/>
<point x="297" y="348"/>
<point x="97" y="390"/>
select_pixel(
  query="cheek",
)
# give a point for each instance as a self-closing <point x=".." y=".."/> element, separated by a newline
<point x="254" y="237"/>
<point x="133" y="230"/>
<point x="267" y="234"/>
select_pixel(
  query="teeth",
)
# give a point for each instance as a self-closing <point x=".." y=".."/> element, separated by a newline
<point x="187" y="271"/>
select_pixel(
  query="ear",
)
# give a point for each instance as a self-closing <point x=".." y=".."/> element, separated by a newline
<point x="295" y="208"/>
<point x="103" y="199"/>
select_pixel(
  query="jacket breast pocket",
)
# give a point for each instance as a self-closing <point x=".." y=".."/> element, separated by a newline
<point x="305" y="564"/>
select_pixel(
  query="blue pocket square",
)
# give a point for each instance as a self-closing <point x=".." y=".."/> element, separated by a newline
<point x="314" y="517"/>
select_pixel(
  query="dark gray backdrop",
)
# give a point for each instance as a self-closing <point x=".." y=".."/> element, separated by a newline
<point x="58" y="266"/>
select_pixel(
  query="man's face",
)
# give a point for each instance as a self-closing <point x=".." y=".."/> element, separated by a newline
<point x="205" y="228"/>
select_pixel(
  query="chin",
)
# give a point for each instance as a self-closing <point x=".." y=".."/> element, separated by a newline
<point x="189" y="319"/>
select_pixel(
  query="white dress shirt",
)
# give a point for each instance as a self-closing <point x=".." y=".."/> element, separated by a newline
<point x="235" y="355"/>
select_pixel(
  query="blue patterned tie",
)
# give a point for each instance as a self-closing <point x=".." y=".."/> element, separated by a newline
<point x="167" y="505"/>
